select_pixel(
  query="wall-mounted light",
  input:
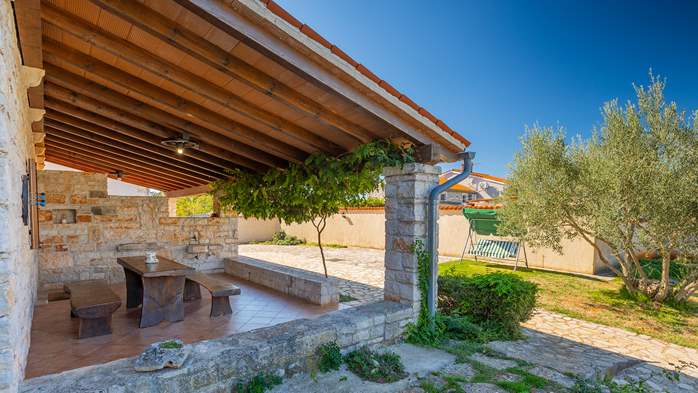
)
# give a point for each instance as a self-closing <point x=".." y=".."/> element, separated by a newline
<point x="181" y="143"/>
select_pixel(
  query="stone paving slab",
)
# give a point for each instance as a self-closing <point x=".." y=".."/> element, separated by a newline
<point x="573" y="336"/>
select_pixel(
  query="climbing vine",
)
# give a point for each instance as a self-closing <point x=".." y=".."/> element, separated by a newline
<point x="425" y="331"/>
<point x="313" y="190"/>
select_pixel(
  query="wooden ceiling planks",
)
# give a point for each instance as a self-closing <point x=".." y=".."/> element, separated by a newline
<point x="282" y="129"/>
<point x="113" y="119"/>
<point x="214" y="56"/>
<point x="129" y="145"/>
<point x="123" y="75"/>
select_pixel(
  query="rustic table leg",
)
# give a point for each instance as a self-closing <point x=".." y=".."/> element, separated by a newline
<point x="192" y="291"/>
<point x="134" y="289"/>
<point x="163" y="300"/>
<point x="220" y="305"/>
<point x="92" y="327"/>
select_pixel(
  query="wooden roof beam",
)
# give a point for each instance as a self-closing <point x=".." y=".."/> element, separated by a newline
<point x="250" y="22"/>
<point x="92" y="169"/>
<point x="176" y="106"/>
<point x="87" y="145"/>
<point x="182" y="192"/>
<point x="86" y="109"/>
<point x="208" y="53"/>
<point x="280" y="129"/>
<point x="64" y="123"/>
<point x="100" y="99"/>
<point x="192" y="157"/>
<point x="118" y="163"/>
<point x="68" y="160"/>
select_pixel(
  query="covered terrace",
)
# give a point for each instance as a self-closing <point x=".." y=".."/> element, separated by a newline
<point x="169" y="95"/>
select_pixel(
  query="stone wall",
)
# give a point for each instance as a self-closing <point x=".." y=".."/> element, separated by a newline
<point x="17" y="262"/>
<point x="83" y="230"/>
<point x="214" y="366"/>
<point x="365" y="227"/>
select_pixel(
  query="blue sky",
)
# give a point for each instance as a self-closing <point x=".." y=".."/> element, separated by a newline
<point x="489" y="68"/>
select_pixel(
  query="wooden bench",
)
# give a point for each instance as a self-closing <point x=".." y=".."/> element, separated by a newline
<point x="93" y="302"/>
<point x="220" y="292"/>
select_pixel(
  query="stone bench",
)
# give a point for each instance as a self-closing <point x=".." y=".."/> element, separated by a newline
<point x="310" y="286"/>
<point x="93" y="302"/>
<point x="220" y="292"/>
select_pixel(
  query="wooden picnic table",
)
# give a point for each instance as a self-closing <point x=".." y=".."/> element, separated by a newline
<point x="159" y="288"/>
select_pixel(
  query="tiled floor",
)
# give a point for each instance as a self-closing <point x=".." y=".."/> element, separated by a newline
<point x="54" y="346"/>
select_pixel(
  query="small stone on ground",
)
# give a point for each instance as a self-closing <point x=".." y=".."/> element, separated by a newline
<point x="483" y="388"/>
<point x="499" y="364"/>
<point x="156" y="357"/>
<point x="413" y="358"/>
<point x="552" y="375"/>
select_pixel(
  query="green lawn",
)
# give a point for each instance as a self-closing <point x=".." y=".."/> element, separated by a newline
<point x="600" y="302"/>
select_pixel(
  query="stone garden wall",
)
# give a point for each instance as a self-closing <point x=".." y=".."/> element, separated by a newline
<point x="18" y="266"/>
<point x="214" y="366"/>
<point x="83" y="230"/>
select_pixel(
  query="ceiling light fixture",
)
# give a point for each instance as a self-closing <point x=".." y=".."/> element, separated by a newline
<point x="181" y="143"/>
<point x="119" y="175"/>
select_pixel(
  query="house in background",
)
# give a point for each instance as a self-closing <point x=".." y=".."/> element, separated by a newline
<point x="478" y="186"/>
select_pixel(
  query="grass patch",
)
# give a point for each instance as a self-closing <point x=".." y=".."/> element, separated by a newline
<point x="170" y="345"/>
<point x="346" y="298"/>
<point x="528" y="383"/>
<point x="385" y="367"/>
<point x="329" y="357"/>
<point x="601" y="302"/>
<point x="258" y="384"/>
<point x="429" y="387"/>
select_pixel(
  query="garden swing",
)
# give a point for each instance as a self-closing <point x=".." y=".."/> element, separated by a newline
<point x="483" y="222"/>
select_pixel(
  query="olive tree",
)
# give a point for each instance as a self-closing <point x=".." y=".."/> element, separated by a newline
<point x="311" y="191"/>
<point x="630" y="189"/>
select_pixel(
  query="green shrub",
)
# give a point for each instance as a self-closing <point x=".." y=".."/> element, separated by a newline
<point x="329" y="357"/>
<point x="260" y="383"/>
<point x="458" y="328"/>
<point x="382" y="367"/>
<point x="497" y="302"/>
<point x="282" y="239"/>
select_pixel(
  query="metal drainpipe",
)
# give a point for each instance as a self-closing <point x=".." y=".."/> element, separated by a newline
<point x="433" y="216"/>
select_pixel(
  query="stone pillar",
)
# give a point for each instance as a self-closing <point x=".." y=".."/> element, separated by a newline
<point x="406" y="194"/>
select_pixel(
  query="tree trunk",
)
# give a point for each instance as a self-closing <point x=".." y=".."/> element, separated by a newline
<point x="664" y="285"/>
<point x="322" y="222"/>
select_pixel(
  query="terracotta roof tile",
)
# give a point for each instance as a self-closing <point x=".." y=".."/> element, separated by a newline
<point x="390" y="89"/>
<point x="308" y="31"/>
<point x="283" y="14"/>
<point x="367" y="73"/>
<point x="317" y="37"/>
<point x="342" y="55"/>
<point x="409" y="102"/>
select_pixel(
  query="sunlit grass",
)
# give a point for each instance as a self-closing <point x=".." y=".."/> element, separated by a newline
<point x="603" y="302"/>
